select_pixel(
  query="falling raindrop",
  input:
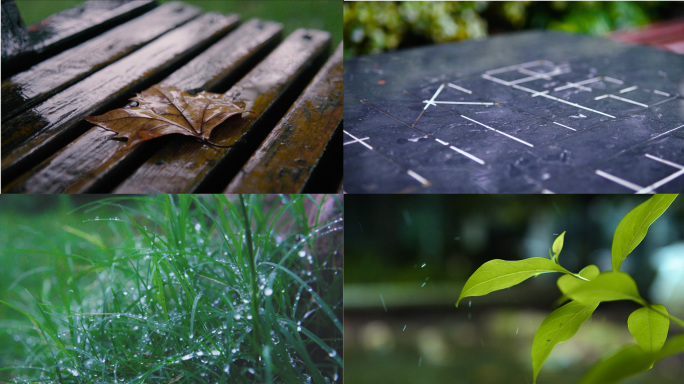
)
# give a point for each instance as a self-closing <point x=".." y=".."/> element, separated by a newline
<point x="420" y="361"/>
<point x="516" y="330"/>
<point x="423" y="266"/>
<point x="404" y="330"/>
<point x="469" y="303"/>
<point x="383" y="302"/>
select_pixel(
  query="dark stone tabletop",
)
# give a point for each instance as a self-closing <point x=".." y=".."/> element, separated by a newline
<point x="529" y="112"/>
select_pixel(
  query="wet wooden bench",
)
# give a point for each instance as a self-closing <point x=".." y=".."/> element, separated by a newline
<point x="290" y="142"/>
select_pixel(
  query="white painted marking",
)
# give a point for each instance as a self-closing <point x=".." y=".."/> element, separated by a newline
<point x="629" y="89"/>
<point x="526" y="79"/>
<point x="547" y="192"/>
<point x="523" y="65"/>
<point x="579" y="84"/>
<point x="657" y="92"/>
<point x="358" y="140"/>
<point x="461" y="102"/>
<point x="618" y="180"/>
<point x="441" y="141"/>
<point x="534" y="74"/>
<point x="651" y="188"/>
<point x="670" y="163"/>
<point x="468" y="155"/>
<point x="460" y="88"/>
<point x="628" y="101"/>
<point x="578" y="106"/>
<point x="418" y="177"/>
<point x="665" y="133"/>
<point x="610" y="79"/>
<point x="565" y="126"/>
<point x="602" y="96"/>
<point x="496" y="80"/>
<point x="497" y="131"/>
<point x="432" y="101"/>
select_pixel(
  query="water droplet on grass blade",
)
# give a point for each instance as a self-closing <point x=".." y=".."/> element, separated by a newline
<point x="268" y="292"/>
<point x="332" y="353"/>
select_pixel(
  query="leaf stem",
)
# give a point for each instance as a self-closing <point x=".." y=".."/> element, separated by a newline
<point x="673" y="318"/>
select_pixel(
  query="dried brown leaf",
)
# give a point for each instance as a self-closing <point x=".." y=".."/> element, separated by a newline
<point x="163" y="110"/>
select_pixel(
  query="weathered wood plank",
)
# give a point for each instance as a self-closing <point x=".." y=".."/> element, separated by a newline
<point x="285" y="161"/>
<point x="89" y="163"/>
<point x="72" y="26"/>
<point x="41" y="81"/>
<point x="186" y="165"/>
<point x="30" y="137"/>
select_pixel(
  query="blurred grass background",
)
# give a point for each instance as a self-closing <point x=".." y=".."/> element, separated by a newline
<point x="373" y="27"/>
<point x="318" y="14"/>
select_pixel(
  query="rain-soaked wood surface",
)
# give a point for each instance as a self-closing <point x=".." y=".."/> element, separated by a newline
<point x="70" y="27"/>
<point x="35" y="135"/>
<point x="34" y="85"/>
<point x="93" y="161"/>
<point x="286" y="160"/>
<point x="189" y="166"/>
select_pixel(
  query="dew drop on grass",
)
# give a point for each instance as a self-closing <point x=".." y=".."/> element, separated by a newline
<point x="249" y="317"/>
<point x="251" y="370"/>
<point x="215" y="353"/>
<point x="302" y="253"/>
<point x="332" y="353"/>
<point x="187" y="357"/>
<point x="237" y="317"/>
<point x="227" y="368"/>
<point x="268" y="292"/>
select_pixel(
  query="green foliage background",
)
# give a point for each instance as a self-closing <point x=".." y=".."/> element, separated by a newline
<point x="372" y="27"/>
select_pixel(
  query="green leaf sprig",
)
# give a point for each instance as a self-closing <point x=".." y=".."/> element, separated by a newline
<point x="648" y="325"/>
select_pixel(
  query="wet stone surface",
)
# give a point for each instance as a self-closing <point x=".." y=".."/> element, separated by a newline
<point x="531" y="112"/>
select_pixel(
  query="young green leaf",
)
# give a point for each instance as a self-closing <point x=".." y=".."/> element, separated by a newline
<point x="633" y="227"/>
<point x="649" y="328"/>
<point x="630" y="361"/>
<point x="608" y="286"/>
<point x="559" y="326"/>
<point x="557" y="246"/>
<point x="499" y="274"/>
<point x="566" y="282"/>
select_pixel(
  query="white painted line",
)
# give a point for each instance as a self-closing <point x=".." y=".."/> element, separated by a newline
<point x="579" y="84"/>
<point x="441" y="141"/>
<point x="358" y="140"/>
<point x="565" y="126"/>
<point x="526" y="79"/>
<point x="431" y="102"/>
<point x="670" y="163"/>
<point x="628" y="101"/>
<point x="572" y="85"/>
<point x="524" y="89"/>
<point x="461" y="102"/>
<point x="618" y="180"/>
<point x="610" y="79"/>
<point x="629" y="89"/>
<point x="657" y="92"/>
<point x="497" y="131"/>
<point x="651" y="188"/>
<point x="468" y="155"/>
<point x="418" y="177"/>
<point x="547" y="192"/>
<point x="665" y="133"/>
<point x="494" y="79"/>
<point x="602" y="96"/>
<point x="544" y="76"/>
<point x="578" y="106"/>
<point x="523" y="65"/>
<point x="460" y="88"/>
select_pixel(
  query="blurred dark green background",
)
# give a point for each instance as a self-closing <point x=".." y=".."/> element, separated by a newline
<point x="407" y="258"/>
<point x="318" y="14"/>
<point x="372" y="27"/>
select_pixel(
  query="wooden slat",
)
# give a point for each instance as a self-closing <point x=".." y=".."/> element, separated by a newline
<point x="35" y="135"/>
<point x="73" y="26"/>
<point x="186" y="165"/>
<point x="15" y="39"/>
<point x="287" y="158"/>
<point x="89" y="163"/>
<point x="27" y="88"/>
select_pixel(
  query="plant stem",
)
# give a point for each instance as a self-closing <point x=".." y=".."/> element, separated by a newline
<point x="673" y="318"/>
<point x="252" y="269"/>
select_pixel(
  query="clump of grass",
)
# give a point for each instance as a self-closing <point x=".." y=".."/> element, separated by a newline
<point x="183" y="289"/>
